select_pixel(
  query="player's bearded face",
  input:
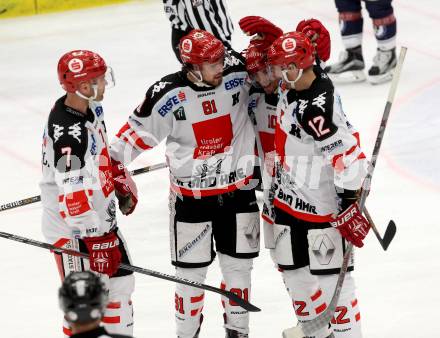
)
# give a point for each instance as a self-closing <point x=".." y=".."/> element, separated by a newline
<point x="212" y="73"/>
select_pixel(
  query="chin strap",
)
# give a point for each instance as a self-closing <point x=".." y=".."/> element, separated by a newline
<point x="197" y="75"/>
<point x="91" y="98"/>
<point x="286" y="79"/>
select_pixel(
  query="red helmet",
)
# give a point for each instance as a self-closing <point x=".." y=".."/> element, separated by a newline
<point x="78" y="66"/>
<point x="200" y="46"/>
<point x="255" y="59"/>
<point x="293" y="47"/>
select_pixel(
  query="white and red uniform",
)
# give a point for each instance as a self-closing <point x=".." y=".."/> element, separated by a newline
<point x="210" y="146"/>
<point x="209" y="136"/>
<point x="78" y="199"/>
<point x="262" y="109"/>
<point x="318" y="152"/>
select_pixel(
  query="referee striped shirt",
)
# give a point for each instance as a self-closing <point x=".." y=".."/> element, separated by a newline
<point x="209" y="15"/>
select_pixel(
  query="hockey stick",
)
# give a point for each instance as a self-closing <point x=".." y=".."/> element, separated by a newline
<point x="230" y="295"/>
<point x="310" y="327"/>
<point x="35" y="199"/>
<point x="390" y="231"/>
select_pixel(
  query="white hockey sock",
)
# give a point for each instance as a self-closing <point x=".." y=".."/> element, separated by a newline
<point x="307" y="296"/>
<point x="118" y="316"/>
<point x="236" y="278"/>
<point x="189" y="302"/>
<point x="347" y="319"/>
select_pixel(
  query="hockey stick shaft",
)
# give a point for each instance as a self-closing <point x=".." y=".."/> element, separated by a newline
<point x="230" y="295"/>
<point x="390" y="231"/>
<point x="35" y="199"/>
<point x="308" y="328"/>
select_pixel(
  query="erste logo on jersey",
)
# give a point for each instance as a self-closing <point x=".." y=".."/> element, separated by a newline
<point x="289" y="45"/>
<point x="75" y="65"/>
<point x="171" y="102"/>
<point x="234" y="83"/>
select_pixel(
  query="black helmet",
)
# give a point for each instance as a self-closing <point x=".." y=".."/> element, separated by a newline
<point x="83" y="297"/>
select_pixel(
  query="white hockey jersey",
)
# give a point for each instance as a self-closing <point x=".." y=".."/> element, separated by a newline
<point x="262" y="109"/>
<point x="209" y="136"/>
<point x="77" y="187"/>
<point x="317" y="150"/>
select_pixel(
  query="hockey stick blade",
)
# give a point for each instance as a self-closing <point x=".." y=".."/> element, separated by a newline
<point x="35" y="199"/>
<point x="230" y="295"/>
<point x="390" y="232"/>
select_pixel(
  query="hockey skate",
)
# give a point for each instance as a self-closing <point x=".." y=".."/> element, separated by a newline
<point x="235" y="334"/>
<point x="349" y="68"/>
<point x="383" y="66"/>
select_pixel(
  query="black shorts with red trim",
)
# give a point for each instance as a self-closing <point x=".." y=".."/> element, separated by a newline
<point x="328" y="253"/>
<point x="199" y="224"/>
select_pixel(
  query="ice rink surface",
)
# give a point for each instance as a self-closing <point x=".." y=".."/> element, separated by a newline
<point x="397" y="289"/>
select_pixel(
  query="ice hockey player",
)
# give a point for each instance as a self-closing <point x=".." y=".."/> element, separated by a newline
<point x="201" y="111"/>
<point x="79" y="183"/>
<point x="263" y="94"/>
<point x="350" y="67"/>
<point x="319" y="170"/>
<point x="83" y="298"/>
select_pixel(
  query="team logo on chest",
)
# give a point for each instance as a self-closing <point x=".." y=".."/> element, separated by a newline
<point x="179" y="114"/>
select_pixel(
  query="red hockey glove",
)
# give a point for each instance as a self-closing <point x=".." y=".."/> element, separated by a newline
<point x="318" y="34"/>
<point x="125" y="188"/>
<point x="266" y="31"/>
<point x="352" y="225"/>
<point x="105" y="256"/>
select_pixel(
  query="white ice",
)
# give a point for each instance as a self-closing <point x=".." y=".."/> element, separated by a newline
<point x="397" y="290"/>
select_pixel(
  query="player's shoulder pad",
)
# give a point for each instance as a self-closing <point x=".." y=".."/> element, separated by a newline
<point x="314" y="108"/>
<point x="69" y="134"/>
<point x="157" y="91"/>
<point x="234" y="62"/>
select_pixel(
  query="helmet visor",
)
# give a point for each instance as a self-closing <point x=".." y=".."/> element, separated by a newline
<point x="109" y="78"/>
